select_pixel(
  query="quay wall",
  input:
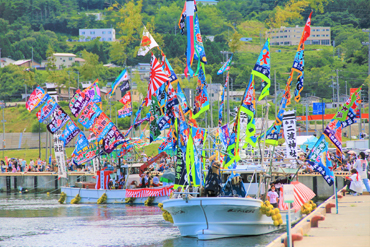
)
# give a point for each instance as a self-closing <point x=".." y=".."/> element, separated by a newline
<point x="39" y="182"/>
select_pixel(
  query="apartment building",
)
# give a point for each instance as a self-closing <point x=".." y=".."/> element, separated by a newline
<point x="105" y="34"/>
<point x="292" y="36"/>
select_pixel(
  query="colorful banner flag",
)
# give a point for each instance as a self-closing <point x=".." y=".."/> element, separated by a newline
<point x="325" y="172"/>
<point x="168" y="143"/>
<point x="155" y="112"/>
<point x="101" y="126"/>
<point x="343" y="112"/>
<point x="182" y="100"/>
<point x="232" y="155"/>
<point x="350" y="119"/>
<point x="226" y="66"/>
<point x="199" y="48"/>
<point x="334" y="132"/>
<point x="225" y="136"/>
<point x="69" y="132"/>
<point x="78" y="102"/>
<point x="317" y="149"/>
<point x="147" y="43"/>
<point x="181" y="177"/>
<point x="113" y="138"/>
<point x="126" y="111"/>
<point x="93" y="91"/>
<point x="221" y="110"/>
<point x="190" y="36"/>
<point x="298" y="64"/>
<point x="35" y="98"/>
<point x="46" y="110"/>
<point x="58" y="118"/>
<point x="81" y="143"/>
<point x="248" y="106"/>
<point x="162" y="98"/>
<point x="262" y="69"/>
<point x="201" y="100"/>
<point x="87" y="155"/>
<point x="89" y="114"/>
<point x="125" y="87"/>
<point x="199" y="136"/>
<point x="157" y="79"/>
<point x="169" y="71"/>
<point x="121" y="78"/>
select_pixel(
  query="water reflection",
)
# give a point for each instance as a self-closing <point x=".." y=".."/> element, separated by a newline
<point x="39" y="220"/>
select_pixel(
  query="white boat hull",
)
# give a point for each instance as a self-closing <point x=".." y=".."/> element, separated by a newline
<point x="219" y="217"/>
<point x="113" y="196"/>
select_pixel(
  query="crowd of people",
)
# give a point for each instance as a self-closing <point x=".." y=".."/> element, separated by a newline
<point x="21" y="165"/>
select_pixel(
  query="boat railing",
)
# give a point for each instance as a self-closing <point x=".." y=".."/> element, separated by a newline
<point x="185" y="195"/>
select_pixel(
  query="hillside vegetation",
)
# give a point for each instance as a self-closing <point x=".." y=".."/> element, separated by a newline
<point x="44" y="26"/>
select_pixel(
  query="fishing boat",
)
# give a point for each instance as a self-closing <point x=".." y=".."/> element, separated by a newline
<point x="91" y="196"/>
<point x="218" y="217"/>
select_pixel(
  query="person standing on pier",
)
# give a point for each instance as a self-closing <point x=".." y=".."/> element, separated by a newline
<point x="361" y="167"/>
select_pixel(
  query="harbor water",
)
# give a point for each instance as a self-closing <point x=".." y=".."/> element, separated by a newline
<point x="39" y="220"/>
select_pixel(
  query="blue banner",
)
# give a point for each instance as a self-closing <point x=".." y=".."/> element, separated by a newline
<point x="318" y="108"/>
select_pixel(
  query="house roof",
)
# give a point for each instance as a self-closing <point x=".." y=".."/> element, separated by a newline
<point x="77" y="59"/>
<point x="64" y="55"/>
<point x="20" y="62"/>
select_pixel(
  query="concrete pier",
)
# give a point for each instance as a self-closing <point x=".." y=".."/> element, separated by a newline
<point x="350" y="227"/>
<point x="40" y="182"/>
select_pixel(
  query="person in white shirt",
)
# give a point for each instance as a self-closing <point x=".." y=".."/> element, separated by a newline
<point x="273" y="197"/>
<point x="356" y="184"/>
<point x="361" y="167"/>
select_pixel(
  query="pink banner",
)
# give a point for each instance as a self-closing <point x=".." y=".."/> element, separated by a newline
<point x="149" y="192"/>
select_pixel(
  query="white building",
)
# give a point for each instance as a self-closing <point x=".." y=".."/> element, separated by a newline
<point x="215" y="91"/>
<point x="208" y="2"/>
<point x="64" y="60"/>
<point x="106" y="34"/>
<point x="292" y="36"/>
<point x="4" y="61"/>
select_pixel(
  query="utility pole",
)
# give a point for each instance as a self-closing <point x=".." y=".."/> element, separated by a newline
<point x="46" y="146"/>
<point x="337" y="89"/>
<point x="39" y="140"/>
<point x="228" y="95"/>
<point x="368" y="86"/>
<point x="3" y="106"/>
<point x="211" y="106"/>
<point x="332" y="83"/>
<point x="322" y="107"/>
<point x="306" y="119"/>
<point x="275" y="94"/>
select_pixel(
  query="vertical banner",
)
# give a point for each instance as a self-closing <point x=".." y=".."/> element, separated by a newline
<point x="59" y="154"/>
<point x="290" y="133"/>
<point x="220" y="111"/>
<point x="96" y="164"/>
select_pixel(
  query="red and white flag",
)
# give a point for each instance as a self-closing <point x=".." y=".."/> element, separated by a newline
<point x="147" y="43"/>
<point x="307" y="30"/>
<point x="157" y="79"/>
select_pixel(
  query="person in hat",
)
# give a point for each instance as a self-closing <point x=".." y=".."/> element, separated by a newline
<point x="213" y="180"/>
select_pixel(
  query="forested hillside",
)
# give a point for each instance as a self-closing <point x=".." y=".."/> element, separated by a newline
<point x="44" y="26"/>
